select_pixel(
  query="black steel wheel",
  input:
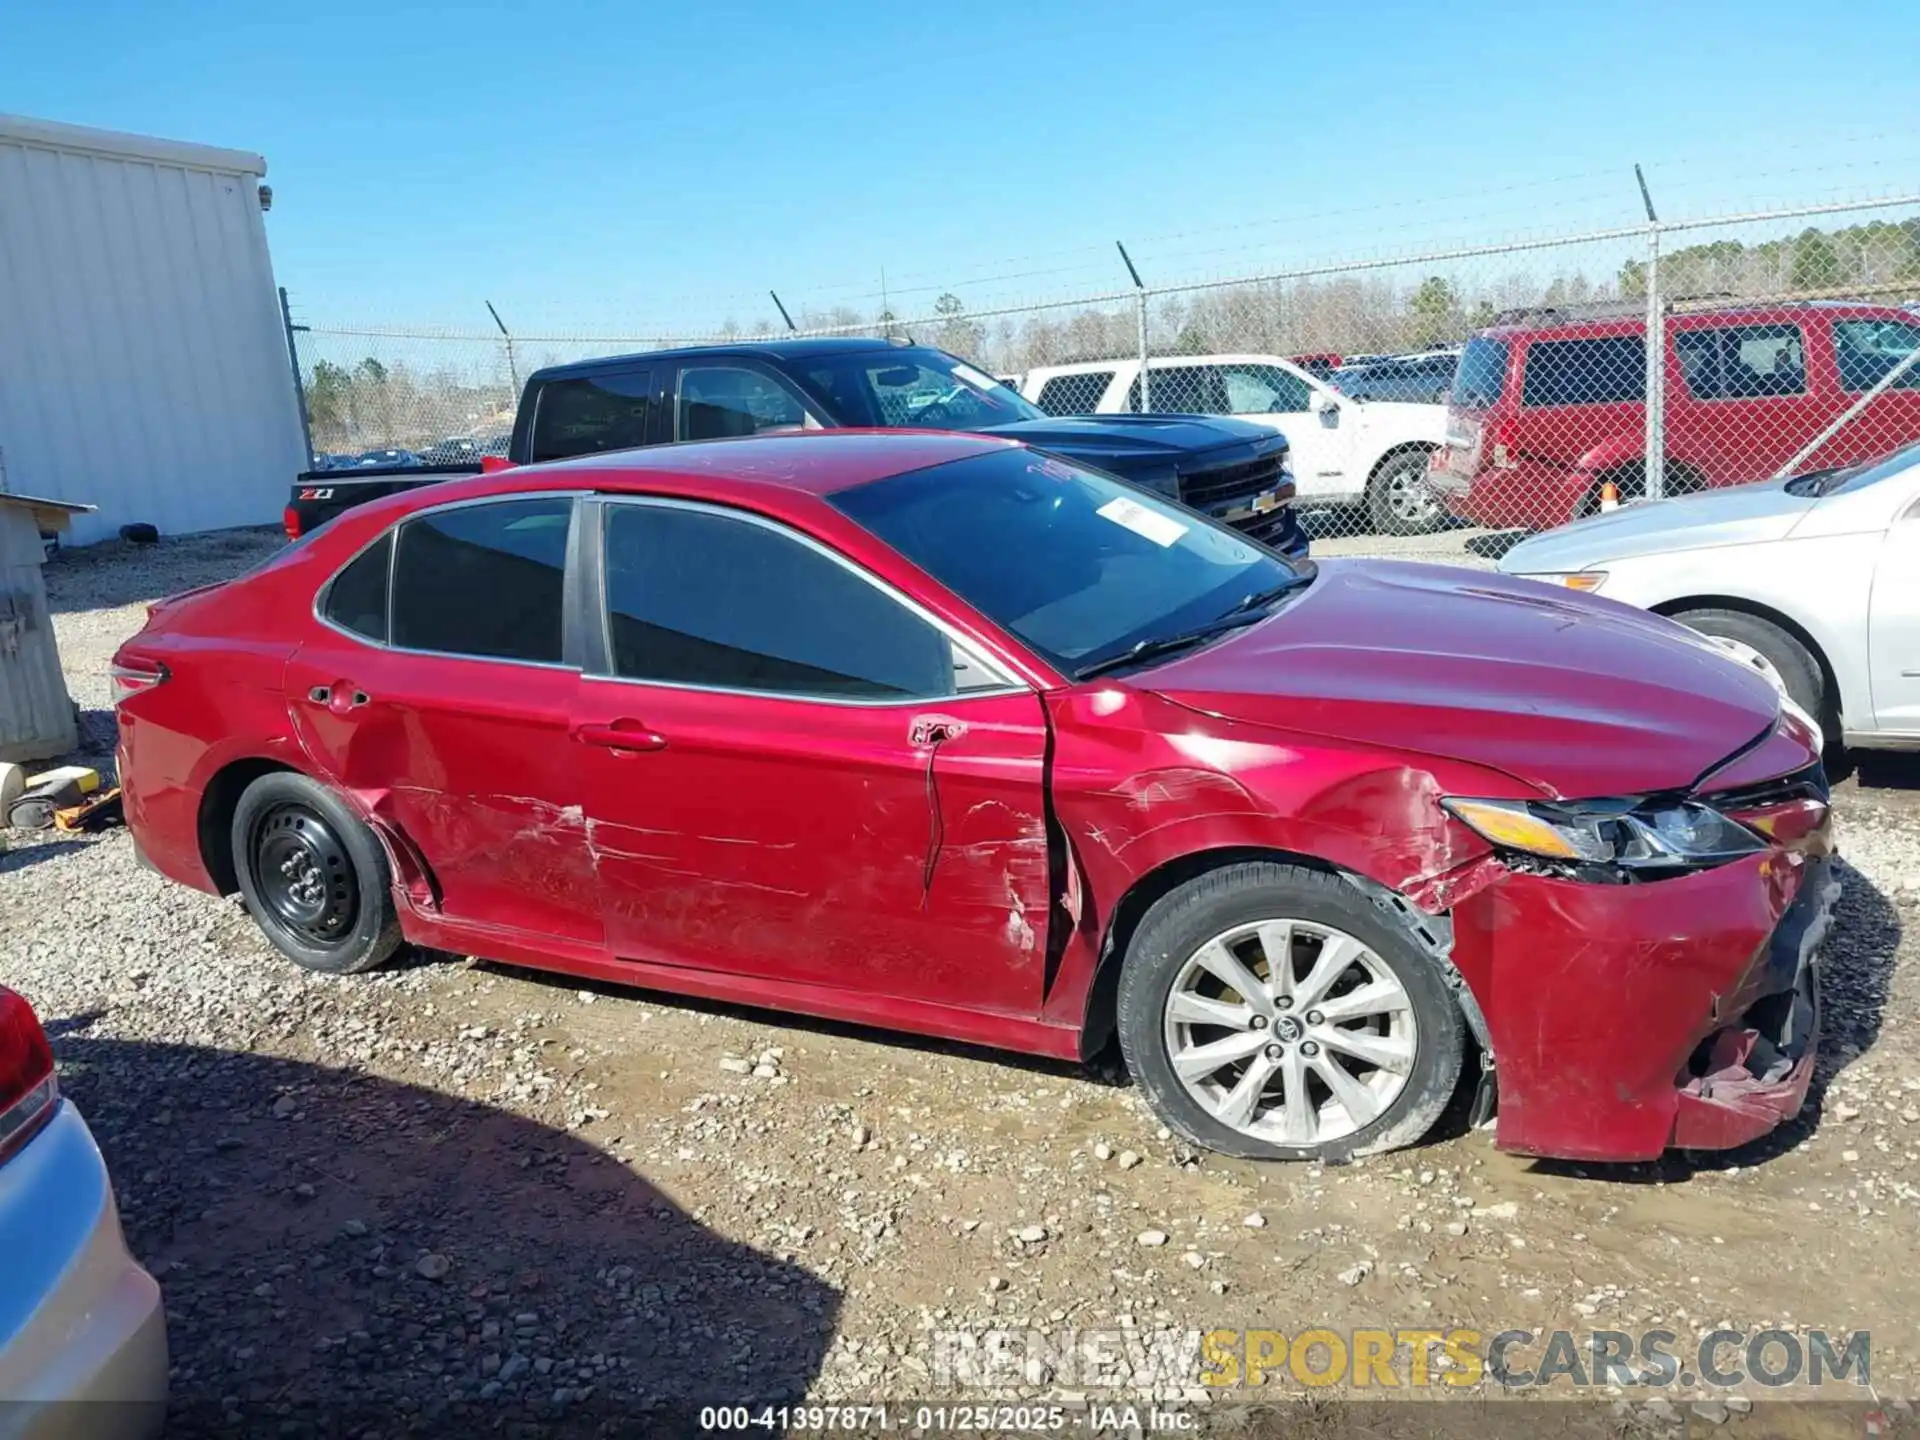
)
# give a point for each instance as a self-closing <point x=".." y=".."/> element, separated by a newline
<point x="314" y="878"/>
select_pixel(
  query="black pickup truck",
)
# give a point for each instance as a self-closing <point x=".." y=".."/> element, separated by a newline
<point x="1229" y="469"/>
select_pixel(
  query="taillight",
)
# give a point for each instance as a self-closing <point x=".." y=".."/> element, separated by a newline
<point x="132" y="675"/>
<point x="28" y="1091"/>
<point x="1497" y="440"/>
<point x="290" y="522"/>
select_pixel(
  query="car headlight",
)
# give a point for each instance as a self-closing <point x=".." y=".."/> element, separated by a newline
<point x="1630" y="834"/>
<point x="1587" y="580"/>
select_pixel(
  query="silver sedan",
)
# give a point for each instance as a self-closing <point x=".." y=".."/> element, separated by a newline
<point x="83" y="1337"/>
<point x="1814" y="581"/>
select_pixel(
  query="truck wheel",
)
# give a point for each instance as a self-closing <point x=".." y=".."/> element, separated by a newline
<point x="1399" y="500"/>
<point x="1773" y="652"/>
<point x="313" y="877"/>
<point x="1274" y="1012"/>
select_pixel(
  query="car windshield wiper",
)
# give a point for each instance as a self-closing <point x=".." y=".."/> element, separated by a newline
<point x="1245" y="612"/>
<point x="1260" y="599"/>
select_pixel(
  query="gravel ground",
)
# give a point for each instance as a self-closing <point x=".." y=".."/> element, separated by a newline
<point x="456" y="1193"/>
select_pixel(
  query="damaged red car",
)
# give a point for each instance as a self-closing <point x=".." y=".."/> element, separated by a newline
<point x="948" y="735"/>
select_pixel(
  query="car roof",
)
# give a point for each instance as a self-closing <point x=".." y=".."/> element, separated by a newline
<point x="809" y="463"/>
<point x="799" y="348"/>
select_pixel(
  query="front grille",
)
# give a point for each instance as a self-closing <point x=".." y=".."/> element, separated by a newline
<point x="1223" y="484"/>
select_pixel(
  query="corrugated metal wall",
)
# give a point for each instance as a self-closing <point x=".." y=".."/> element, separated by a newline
<point x="142" y="364"/>
<point x="36" y="717"/>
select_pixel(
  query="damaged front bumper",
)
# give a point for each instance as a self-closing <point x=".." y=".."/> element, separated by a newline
<point x="1627" y="1019"/>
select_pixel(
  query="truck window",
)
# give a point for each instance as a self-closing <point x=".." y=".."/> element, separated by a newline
<point x="1742" y="362"/>
<point x="591" y="414"/>
<point x="1264" y="390"/>
<point x="1184" y="390"/>
<point x="1074" y="394"/>
<point x="1868" y="351"/>
<point x="717" y="401"/>
<point x="1601" y="371"/>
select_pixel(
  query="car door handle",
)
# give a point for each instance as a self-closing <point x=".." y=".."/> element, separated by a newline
<point x="620" y="735"/>
<point x="339" y="696"/>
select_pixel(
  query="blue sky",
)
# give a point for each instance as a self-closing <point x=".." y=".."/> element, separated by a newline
<point x="668" y="163"/>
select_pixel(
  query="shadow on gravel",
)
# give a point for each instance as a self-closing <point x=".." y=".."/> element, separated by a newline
<point x="25" y="854"/>
<point x="346" y="1255"/>
<point x="1887" y="769"/>
<point x="1857" y="964"/>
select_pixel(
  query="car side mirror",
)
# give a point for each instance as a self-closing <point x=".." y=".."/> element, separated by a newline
<point x="1329" y="410"/>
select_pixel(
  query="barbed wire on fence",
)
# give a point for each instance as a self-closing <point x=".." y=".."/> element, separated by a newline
<point x="1516" y="371"/>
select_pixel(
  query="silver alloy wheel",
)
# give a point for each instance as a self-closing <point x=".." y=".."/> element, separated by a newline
<point x="1290" y="1031"/>
<point x="1752" y="658"/>
<point x="1410" y="498"/>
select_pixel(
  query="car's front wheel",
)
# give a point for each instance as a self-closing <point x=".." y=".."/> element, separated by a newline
<point x="313" y="876"/>
<point x="1275" y="1012"/>
<point x="1401" y="502"/>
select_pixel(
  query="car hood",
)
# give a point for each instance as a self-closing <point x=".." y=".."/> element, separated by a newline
<point x="1578" y="696"/>
<point x="1737" y="515"/>
<point x="1129" y="444"/>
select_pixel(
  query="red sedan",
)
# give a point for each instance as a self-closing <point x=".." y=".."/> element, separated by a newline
<point x="949" y="735"/>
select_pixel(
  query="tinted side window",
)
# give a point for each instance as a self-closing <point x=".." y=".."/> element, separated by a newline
<point x="483" y="580"/>
<point x="1870" y="350"/>
<point x="1585" y="372"/>
<point x="1184" y="390"/>
<point x="1074" y="394"/>
<point x="1742" y="362"/>
<point x="587" y="416"/>
<point x="695" y="598"/>
<point x="357" y="598"/>
<point x="717" y="401"/>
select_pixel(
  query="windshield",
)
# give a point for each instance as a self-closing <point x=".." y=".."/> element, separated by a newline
<point x="1818" y="483"/>
<point x="912" y="386"/>
<point x="1481" y="374"/>
<point x="1081" y="567"/>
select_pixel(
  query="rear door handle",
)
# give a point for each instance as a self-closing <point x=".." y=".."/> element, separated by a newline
<point x="620" y="735"/>
<point x="338" y="696"/>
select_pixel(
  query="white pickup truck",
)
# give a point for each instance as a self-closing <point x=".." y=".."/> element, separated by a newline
<point x="1345" y="451"/>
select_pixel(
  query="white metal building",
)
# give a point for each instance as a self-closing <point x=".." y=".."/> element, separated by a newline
<point x="143" y="364"/>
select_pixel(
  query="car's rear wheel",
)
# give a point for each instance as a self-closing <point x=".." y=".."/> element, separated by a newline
<point x="1275" y="1012"/>
<point x="1770" y="650"/>
<point x="1399" y="499"/>
<point x="313" y="877"/>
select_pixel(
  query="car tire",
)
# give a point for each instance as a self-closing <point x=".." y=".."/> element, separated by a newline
<point x="1171" y="990"/>
<point x="313" y="877"/>
<point x="1773" y="651"/>
<point x="1399" y="500"/>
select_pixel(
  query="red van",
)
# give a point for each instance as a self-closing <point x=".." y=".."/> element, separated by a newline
<point x="1542" y="415"/>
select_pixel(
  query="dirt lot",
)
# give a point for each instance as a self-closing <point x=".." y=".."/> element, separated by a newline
<point x="461" y="1184"/>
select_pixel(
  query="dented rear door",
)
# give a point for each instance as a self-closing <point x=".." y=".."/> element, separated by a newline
<point x="469" y="762"/>
<point x="435" y="692"/>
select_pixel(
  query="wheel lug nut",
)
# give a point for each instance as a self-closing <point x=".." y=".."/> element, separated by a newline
<point x="1308" y="1048"/>
<point x="1285" y="1002"/>
<point x="1274" y="1052"/>
<point x="1259" y="1022"/>
<point x="1314" y="1017"/>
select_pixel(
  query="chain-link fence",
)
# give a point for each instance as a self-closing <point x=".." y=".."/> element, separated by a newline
<point x="1428" y="399"/>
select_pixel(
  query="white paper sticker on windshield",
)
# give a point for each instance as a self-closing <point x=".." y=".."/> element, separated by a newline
<point x="973" y="377"/>
<point x="1161" y="529"/>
